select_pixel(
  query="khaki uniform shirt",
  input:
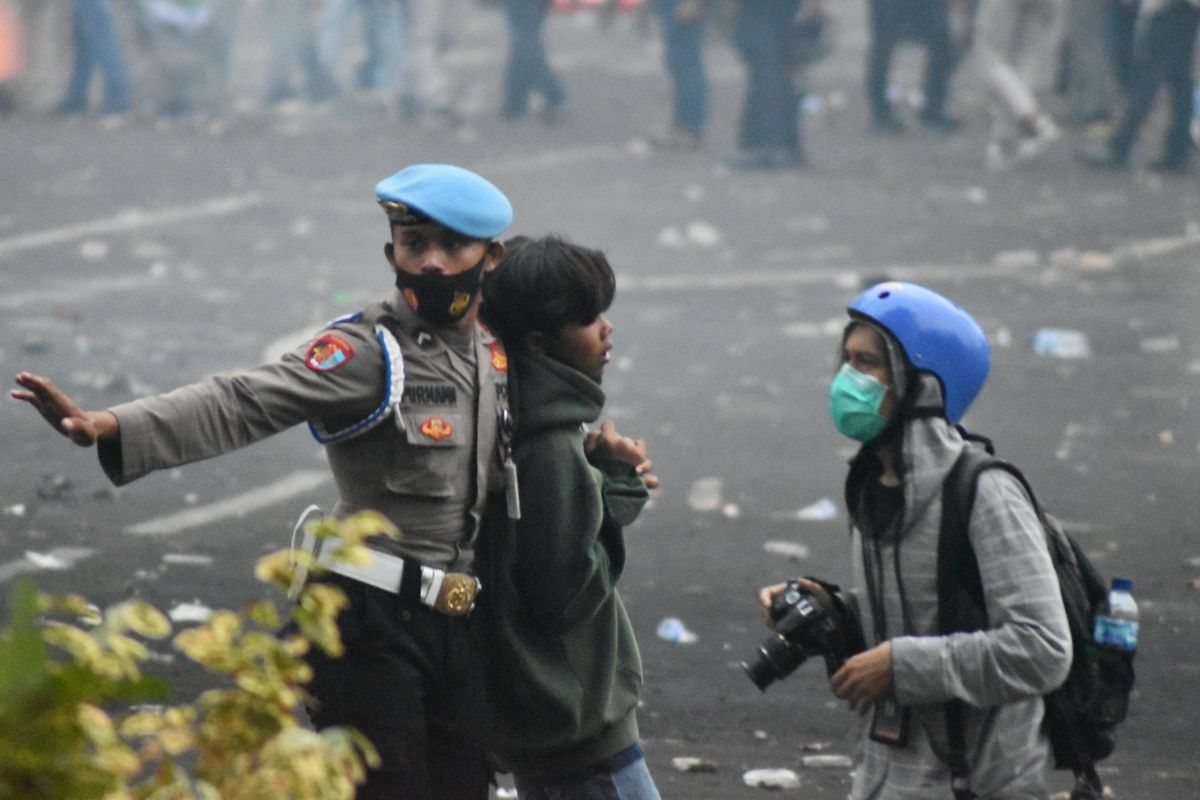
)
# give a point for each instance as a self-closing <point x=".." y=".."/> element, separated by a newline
<point x="425" y="458"/>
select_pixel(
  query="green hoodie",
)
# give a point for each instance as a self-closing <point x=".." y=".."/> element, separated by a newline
<point x="562" y="665"/>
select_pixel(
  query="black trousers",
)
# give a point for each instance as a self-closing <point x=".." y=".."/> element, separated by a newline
<point x="1163" y="56"/>
<point x="770" y="106"/>
<point x="923" y="21"/>
<point x="409" y="682"/>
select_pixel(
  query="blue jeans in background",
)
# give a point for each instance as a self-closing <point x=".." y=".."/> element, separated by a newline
<point x="96" y="44"/>
<point x="630" y="781"/>
<point x="682" y="43"/>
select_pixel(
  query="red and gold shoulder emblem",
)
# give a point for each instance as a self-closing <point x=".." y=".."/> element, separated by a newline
<point x="437" y="428"/>
<point x="499" y="357"/>
<point x="328" y="352"/>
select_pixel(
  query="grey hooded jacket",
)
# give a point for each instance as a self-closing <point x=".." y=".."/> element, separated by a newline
<point x="1000" y="673"/>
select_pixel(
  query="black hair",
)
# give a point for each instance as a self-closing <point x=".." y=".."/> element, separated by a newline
<point x="543" y="285"/>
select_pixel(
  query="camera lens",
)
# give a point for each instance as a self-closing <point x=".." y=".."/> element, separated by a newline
<point x="777" y="658"/>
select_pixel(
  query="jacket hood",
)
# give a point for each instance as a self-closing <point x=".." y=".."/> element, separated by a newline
<point x="552" y="395"/>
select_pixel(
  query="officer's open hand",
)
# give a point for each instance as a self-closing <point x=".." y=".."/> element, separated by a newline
<point x="607" y="443"/>
<point x="865" y="677"/>
<point x="64" y="414"/>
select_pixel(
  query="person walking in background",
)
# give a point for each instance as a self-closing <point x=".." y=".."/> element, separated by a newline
<point x="1017" y="47"/>
<point x="1163" y="56"/>
<point x="768" y="135"/>
<point x="426" y="90"/>
<point x="924" y="21"/>
<point x="528" y="71"/>
<point x="1089" y="86"/>
<point x="682" y="25"/>
<point x="293" y="44"/>
<point x="96" y="46"/>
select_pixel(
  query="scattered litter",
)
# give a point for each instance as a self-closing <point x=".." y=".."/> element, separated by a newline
<point x="731" y="511"/>
<point x="815" y="747"/>
<point x="188" y="559"/>
<point x="693" y="764"/>
<point x="793" y="550"/>
<point x="1166" y="437"/>
<point x="672" y="629"/>
<point x="191" y="498"/>
<point x="1160" y="344"/>
<point x="772" y="779"/>
<point x="1193" y="367"/>
<point x="1195" y="583"/>
<point x="705" y="495"/>
<point x="1003" y="338"/>
<point x="638" y="147"/>
<point x="301" y="227"/>
<point x="94" y="250"/>
<point x="695" y="234"/>
<point x="823" y="509"/>
<point x="45" y="560"/>
<point x="55" y="487"/>
<point x="1064" y="257"/>
<point x="190" y="612"/>
<point x="1016" y="259"/>
<point x="1061" y="343"/>
<point x="15" y="510"/>
<point x="976" y="195"/>
<point x="505" y="794"/>
<point x="695" y="193"/>
<point x="1093" y="259"/>
<point x="828" y="761"/>
<point x="761" y="735"/>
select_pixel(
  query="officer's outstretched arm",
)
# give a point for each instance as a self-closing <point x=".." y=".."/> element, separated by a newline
<point x="83" y="428"/>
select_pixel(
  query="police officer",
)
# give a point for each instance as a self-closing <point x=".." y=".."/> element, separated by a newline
<point x="409" y="397"/>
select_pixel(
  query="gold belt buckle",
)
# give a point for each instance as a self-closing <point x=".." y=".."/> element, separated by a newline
<point x="457" y="595"/>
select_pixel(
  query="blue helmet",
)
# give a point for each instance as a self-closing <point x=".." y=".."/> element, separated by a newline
<point x="937" y="335"/>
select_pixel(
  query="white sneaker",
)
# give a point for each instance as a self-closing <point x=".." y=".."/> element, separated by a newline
<point x="1033" y="145"/>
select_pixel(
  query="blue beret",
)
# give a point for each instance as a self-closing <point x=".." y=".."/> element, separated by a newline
<point x="451" y="196"/>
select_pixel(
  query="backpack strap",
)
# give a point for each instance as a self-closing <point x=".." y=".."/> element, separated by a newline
<point x="962" y="607"/>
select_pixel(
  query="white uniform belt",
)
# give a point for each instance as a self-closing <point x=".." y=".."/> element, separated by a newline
<point x="448" y="592"/>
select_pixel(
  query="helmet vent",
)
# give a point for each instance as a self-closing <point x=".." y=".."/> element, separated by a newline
<point x="884" y="295"/>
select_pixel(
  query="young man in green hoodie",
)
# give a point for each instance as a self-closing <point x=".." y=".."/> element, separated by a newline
<point x="561" y="662"/>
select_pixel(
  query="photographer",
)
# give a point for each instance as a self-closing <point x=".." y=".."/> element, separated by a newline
<point x="912" y="363"/>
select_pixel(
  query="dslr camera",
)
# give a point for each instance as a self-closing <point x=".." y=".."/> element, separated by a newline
<point x="806" y="624"/>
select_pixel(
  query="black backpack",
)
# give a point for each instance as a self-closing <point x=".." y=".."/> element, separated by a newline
<point x="1081" y="715"/>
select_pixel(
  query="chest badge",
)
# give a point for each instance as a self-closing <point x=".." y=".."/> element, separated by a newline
<point x="437" y="428"/>
<point x="328" y="352"/>
<point x="499" y="357"/>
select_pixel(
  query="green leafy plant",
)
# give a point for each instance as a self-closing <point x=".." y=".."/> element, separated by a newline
<point x="71" y="682"/>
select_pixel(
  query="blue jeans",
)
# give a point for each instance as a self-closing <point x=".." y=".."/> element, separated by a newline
<point x="96" y="45"/>
<point x="528" y="70"/>
<point x="682" y="51"/>
<point x="630" y="782"/>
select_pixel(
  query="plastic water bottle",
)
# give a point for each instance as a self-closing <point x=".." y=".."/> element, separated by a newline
<point x="1117" y="626"/>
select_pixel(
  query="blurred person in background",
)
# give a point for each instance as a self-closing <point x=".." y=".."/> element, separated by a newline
<point x="1017" y="49"/>
<point x="768" y="135"/>
<point x="1088" y="82"/>
<point x="189" y="42"/>
<point x="1163" y="56"/>
<point x="382" y="26"/>
<point x="528" y="71"/>
<point x="426" y="89"/>
<point x="1118" y="40"/>
<point x="682" y="25"/>
<point x="12" y="55"/>
<point x="96" y="45"/>
<point x="928" y="23"/>
<point x="293" y="45"/>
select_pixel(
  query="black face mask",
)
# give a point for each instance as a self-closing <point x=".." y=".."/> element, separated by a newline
<point x="441" y="299"/>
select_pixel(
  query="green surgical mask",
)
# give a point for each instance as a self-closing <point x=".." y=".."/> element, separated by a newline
<point x="854" y="401"/>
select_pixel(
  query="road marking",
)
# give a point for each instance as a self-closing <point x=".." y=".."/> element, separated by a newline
<point x="60" y="558"/>
<point x="237" y="506"/>
<point x="130" y="221"/>
<point x="76" y="291"/>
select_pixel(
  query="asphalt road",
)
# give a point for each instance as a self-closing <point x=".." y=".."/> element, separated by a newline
<point x="143" y="257"/>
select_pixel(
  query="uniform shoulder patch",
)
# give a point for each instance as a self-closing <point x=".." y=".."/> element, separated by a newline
<point x="328" y="353"/>
<point x="499" y="357"/>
